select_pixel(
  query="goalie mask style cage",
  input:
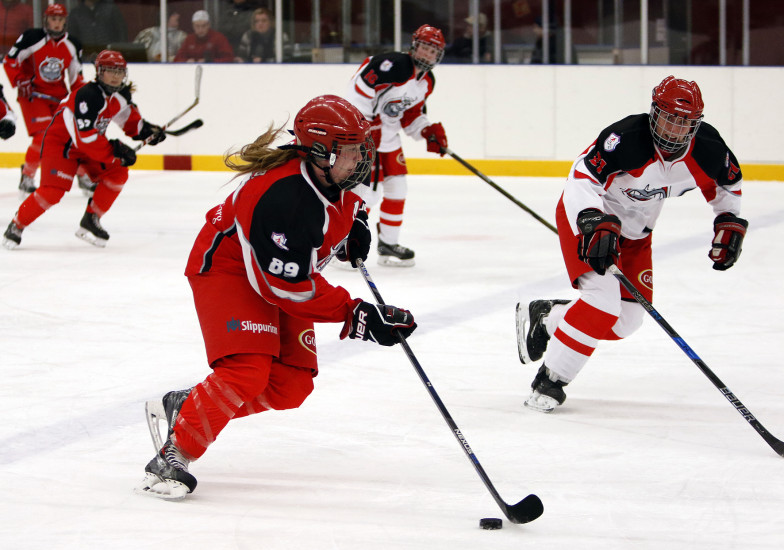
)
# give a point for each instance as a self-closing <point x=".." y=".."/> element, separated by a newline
<point x="676" y="113"/>
<point x="55" y="9"/>
<point x="110" y="60"/>
<point x="334" y="136"/>
<point x="427" y="40"/>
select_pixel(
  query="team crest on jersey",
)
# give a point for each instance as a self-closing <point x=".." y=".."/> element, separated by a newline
<point x="385" y="66"/>
<point x="101" y="125"/>
<point x="280" y="240"/>
<point x="612" y="142"/>
<point x="51" y="69"/>
<point x="647" y="194"/>
<point x="396" y="107"/>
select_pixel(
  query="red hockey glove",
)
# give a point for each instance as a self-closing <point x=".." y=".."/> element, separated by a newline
<point x="152" y="131"/>
<point x="377" y="323"/>
<point x="436" y="138"/>
<point x="123" y="153"/>
<point x="729" y="231"/>
<point x="599" y="234"/>
<point x="357" y="246"/>
<point x="7" y="128"/>
<point x="24" y="89"/>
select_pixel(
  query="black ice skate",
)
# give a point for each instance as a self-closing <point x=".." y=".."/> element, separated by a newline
<point x="167" y="409"/>
<point x="532" y="336"/>
<point x="546" y="394"/>
<point x="26" y="185"/>
<point x="90" y="230"/>
<point x="167" y="476"/>
<point x="394" y="255"/>
<point x="86" y="185"/>
<point x="12" y="236"/>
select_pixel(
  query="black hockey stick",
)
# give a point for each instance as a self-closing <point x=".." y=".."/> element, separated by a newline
<point x="198" y="123"/>
<point x="498" y="188"/>
<point x="524" y="511"/>
<point x="776" y="444"/>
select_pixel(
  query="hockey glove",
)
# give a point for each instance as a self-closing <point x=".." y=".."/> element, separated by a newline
<point x="7" y="128"/>
<point x="436" y="138"/>
<point x="729" y="231"/>
<point x="357" y="244"/>
<point x="123" y="153"/>
<point x="24" y="89"/>
<point x="599" y="234"/>
<point x="150" y="133"/>
<point x="377" y="323"/>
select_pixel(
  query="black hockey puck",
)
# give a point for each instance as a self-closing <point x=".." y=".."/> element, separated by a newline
<point x="491" y="523"/>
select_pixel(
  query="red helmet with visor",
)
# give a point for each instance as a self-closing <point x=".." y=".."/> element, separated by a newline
<point x="676" y="113"/>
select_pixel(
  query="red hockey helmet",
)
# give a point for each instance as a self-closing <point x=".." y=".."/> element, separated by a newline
<point x="59" y="10"/>
<point x="110" y="60"/>
<point x="676" y="113"/>
<point x="427" y="47"/>
<point x="334" y="136"/>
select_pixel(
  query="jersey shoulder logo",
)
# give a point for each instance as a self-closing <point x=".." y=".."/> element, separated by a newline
<point x="280" y="240"/>
<point x="612" y="142"/>
<point x="83" y="107"/>
<point x="385" y="66"/>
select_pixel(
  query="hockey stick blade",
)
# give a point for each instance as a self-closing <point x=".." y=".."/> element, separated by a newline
<point x="525" y="511"/>
<point x="198" y="123"/>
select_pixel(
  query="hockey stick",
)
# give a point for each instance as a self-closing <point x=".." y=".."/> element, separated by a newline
<point x="776" y="444"/>
<point x="47" y="97"/>
<point x="197" y="86"/>
<point x="498" y="188"/>
<point x="524" y="511"/>
<point x="198" y="123"/>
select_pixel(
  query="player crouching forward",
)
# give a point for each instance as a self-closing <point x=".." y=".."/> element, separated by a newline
<point x="609" y="207"/>
<point x="255" y="274"/>
<point x="76" y="138"/>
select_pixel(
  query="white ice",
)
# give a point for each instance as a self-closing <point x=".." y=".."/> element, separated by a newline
<point x="645" y="453"/>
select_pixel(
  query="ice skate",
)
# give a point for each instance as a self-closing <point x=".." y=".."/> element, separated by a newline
<point x="167" y="476"/>
<point x="546" y="393"/>
<point x="90" y="230"/>
<point x="26" y="185"/>
<point x="394" y="255"/>
<point x="166" y="409"/>
<point x="12" y="236"/>
<point x="532" y="336"/>
<point x="86" y="185"/>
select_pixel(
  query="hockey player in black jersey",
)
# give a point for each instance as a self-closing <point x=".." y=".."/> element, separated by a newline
<point x="390" y="90"/>
<point x="609" y="207"/>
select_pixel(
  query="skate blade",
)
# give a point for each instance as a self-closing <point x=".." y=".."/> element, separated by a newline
<point x="521" y="322"/>
<point x="155" y="414"/>
<point x="167" y="489"/>
<point x="9" y="244"/>
<point x="392" y="261"/>
<point x="90" y="238"/>
<point x="541" y="403"/>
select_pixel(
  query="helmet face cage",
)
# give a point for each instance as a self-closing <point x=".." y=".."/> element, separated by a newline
<point x="676" y="113"/>
<point x="55" y="9"/>
<point x="427" y="38"/>
<point x="109" y="60"/>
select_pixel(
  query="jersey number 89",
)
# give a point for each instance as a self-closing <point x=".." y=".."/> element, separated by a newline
<point x="276" y="267"/>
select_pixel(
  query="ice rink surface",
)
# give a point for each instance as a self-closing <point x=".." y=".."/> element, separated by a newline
<point x="645" y="453"/>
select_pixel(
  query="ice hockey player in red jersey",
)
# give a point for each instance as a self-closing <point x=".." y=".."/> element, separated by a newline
<point x="76" y="138"/>
<point x="44" y="65"/>
<point x="7" y="118"/>
<point x="391" y="89"/>
<point x="255" y="275"/>
<point x="611" y="201"/>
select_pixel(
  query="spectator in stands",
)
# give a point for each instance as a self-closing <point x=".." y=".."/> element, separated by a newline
<point x="258" y="43"/>
<point x="234" y="18"/>
<point x="461" y="50"/>
<point x="15" y="18"/>
<point x="97" y="23"/>
<point x="204" y="45"/>
<point x="151" y="38"/>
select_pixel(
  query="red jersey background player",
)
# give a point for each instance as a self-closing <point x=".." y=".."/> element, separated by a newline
<point x="75" y="139"/>
<point x="44" y="65"/>
<point x="7" y="118"/>
<point x="611" y="201"/>
<point x="255" y="275"/>
<point x="390" y="89"/>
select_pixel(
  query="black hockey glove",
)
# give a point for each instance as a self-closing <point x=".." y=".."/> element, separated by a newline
<point x="599" y="234"/>
<point x="123" y="153"/>
<point x="378" y="323"/>
<point x="358" y="241"/>
<point x="153" y="132"/>
<point x="7" y="128"/>
<point x="729" y="231"/>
